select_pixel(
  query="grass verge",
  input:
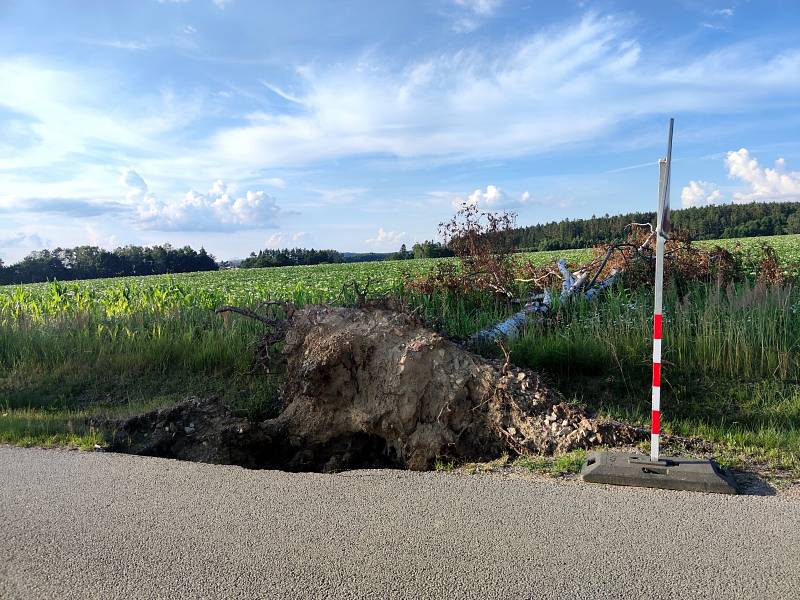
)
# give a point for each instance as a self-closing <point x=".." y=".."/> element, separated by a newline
<point x="731" y="365"/>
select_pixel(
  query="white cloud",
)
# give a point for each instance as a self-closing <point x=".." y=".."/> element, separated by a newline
<point x="188" y="29"/>
<point x="63" y="207"/>
<point x="723" y="12"/>
<point x="279" y="239"/>
<point x="221" y="4"/>
<point x="276" y="182"/>
<point x="766" y="185"/>
<point x="700" y="193"/>
<point x="572" y="83"/>
<point x="282" y="93"/>
<point x="96" y="238"/>
<point x="72" y="116"/>
<point x="123" y="44"/>
<point x="479" y="7"/>
<point x="569" y="84"/>
<point x="491" y="197"/>
<point x="386" y="237"/>
<point x="339" y="195"/>
<point x="220" y="209"/>
<point x="137" y="190"/>
<point x="465" y="25"/>
<point x="24" y="240"/>
<point x="275" y="240"/>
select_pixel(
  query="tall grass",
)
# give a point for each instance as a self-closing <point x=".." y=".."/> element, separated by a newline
<point x="135" y="359"/>
<point x="731" y="358"/>
<point x="731" y="362"/>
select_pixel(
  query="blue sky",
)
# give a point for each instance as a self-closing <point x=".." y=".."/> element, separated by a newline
<point x="359" y="125"/>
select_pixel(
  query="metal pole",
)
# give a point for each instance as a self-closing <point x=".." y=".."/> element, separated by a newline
<point x="662" y="225"/>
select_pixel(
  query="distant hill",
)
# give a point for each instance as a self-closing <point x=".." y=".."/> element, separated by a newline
<point x="702" y="223"/>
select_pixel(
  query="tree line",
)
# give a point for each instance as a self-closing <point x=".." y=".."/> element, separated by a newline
<point x="291" y="257"/>
<point x="700" y="223"/>
<point x="301" y="256"/>
<point x="89" y="262"/>
<point x="708" y="222"/>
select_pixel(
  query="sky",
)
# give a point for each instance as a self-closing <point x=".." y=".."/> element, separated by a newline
<point x="359" y="125"/>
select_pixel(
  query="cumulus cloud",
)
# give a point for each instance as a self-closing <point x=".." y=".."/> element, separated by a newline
<point x="491" y="197"/>
<point x="279" y="239"/>
<point x="386" y="237"/>
<point x="700" y="193"/>
<point x="23" y="240"/>
<point x="137" y="190"/>
<point x="219" y="209"/>
<point x="97" y="238"/>
<point x="275" y="240"/>
<point x="494" y="198"/>
<point x="766" y="185"/>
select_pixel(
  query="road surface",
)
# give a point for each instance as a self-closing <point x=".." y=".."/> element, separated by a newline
<point x="97" y="525"/>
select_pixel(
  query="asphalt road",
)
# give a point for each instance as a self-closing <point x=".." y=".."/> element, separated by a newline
<point x="96" y="525"/>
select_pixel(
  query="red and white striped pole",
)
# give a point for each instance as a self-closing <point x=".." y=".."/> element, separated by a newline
<point x="662" y="229"/>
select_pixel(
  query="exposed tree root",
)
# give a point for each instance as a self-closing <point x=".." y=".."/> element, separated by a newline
<point x="373" y="387"/>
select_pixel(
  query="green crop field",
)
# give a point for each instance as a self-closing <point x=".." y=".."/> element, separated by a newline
<point x="158" y="293"/>
<point x="786" y="246"/>
<point x="303" y="285"/>
<point x="115" y="347"/>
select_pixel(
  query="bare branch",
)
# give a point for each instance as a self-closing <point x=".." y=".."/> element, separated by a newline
<point x="288" y="309"/>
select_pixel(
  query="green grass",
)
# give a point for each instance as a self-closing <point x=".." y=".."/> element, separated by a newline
<point x="33" y="427"/>
<point x="61" y="372"/>
<point x="565" y="464"/>
<point x="731" y="364"/>
<point x="443" y="465"/>
<point x="118" y="346"/>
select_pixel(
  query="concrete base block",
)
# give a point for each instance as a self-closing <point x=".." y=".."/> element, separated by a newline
<point x="670" y="473"/>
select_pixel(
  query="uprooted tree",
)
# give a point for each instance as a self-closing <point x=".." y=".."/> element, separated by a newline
<point x="371" y="385"/>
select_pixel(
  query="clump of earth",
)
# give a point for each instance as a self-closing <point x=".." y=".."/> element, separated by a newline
<point x="369" y="387"/>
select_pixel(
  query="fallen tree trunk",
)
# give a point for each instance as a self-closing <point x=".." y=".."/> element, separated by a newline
<point x="541" y="304"/>
<point x="512" y="327"/>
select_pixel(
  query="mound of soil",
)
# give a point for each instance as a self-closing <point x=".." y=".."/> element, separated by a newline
<point x="367" y="387"/>
<point x="200" y="430"/>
